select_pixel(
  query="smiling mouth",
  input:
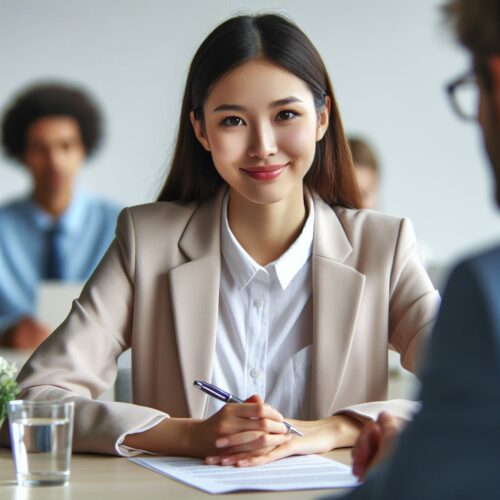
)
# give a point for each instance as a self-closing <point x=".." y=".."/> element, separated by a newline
<point x="265" y="173"/>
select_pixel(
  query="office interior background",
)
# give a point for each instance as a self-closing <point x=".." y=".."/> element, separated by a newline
<point x="389" y="62"/>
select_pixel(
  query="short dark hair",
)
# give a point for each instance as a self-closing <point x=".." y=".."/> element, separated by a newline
<point x="272" y="38"/>
<point x="47" y="100"/>
<point x="477" y="24"/>
<point x="363" y="153"/>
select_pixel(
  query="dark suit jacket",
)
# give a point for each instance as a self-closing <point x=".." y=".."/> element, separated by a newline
<point x="452" y="448"/>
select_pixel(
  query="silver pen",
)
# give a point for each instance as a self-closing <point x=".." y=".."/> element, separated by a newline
<point x="222" y="395"/>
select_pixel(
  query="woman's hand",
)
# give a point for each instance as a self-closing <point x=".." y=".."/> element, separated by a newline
<point x="252" y="426"/>
<point x="375" y="442"/>
<point x="319" y="436"/>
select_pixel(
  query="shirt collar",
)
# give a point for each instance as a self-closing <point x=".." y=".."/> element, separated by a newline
<point x="243" y="268"/>
<point x="71" y="220"/>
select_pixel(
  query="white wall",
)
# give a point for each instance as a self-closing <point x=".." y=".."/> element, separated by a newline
<point x="388" y="59"/>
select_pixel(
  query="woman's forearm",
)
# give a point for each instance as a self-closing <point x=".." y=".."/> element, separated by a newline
<point x="337" y="431"/>
<point x="172" y="436"/>
<point x="193" y="437"/>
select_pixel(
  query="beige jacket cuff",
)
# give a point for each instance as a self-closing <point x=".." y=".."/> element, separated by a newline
<point x="128" y="451"/>
<point x="364" y="412"/>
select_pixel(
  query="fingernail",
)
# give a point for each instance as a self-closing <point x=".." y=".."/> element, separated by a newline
<point x="243" y="463"/>
<point x="212" y="460"/>
<point x="227" y="461"/>
<point x="220" y="443"/>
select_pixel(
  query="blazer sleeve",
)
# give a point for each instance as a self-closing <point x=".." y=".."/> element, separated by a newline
<point x="413" y="306"/>
<point x="79" y="360"/>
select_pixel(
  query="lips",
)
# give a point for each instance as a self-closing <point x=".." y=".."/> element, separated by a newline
<point x="265" y="173"/>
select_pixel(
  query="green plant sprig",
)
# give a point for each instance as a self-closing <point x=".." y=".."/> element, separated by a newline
<point x="8" y="386"/>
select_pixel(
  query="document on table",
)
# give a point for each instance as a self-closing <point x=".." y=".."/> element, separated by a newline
<point x="293" y="473"/>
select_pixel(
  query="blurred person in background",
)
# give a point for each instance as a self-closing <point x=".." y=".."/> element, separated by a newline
<point x="58" y="231"/>
<point x="451" y="449"/>
<point x="368" y="176"/>
<point x="366" y="166"/>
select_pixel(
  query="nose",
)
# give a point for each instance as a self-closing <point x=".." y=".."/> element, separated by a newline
<point x="55" y="158"/>
<point x="262" y="142"/>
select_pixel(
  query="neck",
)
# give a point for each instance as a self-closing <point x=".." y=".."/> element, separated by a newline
<point x="53" y="203"/>
<point x="266" y="231"/>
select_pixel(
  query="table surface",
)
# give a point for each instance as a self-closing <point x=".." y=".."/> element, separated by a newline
<point x="96" y="477"/>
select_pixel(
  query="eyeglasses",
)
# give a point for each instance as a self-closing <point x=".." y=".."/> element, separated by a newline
<point x="464" y="94"/>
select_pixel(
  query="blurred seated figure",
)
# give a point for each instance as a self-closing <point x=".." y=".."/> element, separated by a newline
<point x="57" y="231"/>
<point x="367" y="170"/>
<point x="368" y="174"/>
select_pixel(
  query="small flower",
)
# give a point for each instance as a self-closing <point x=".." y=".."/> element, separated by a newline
<point x="8" y="386"/>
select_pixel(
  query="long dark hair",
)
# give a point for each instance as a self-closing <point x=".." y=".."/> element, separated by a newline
<point x="240" y="39"/>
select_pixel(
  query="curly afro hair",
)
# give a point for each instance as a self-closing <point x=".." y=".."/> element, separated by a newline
<point x="45" y="100"/>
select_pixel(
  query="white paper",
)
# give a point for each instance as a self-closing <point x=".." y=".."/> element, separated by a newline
<point x="293" y="473"/>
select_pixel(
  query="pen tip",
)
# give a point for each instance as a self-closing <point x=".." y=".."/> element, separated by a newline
<point x="197" y="382"/>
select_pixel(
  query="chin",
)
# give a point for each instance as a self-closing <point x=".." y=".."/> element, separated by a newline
<point x="266" y="195"/>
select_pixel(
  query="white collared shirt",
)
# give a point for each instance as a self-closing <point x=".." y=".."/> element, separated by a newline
<point x="264" y="327"/>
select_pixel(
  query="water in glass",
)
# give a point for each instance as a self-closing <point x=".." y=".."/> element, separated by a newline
<point x="42" y="450"/>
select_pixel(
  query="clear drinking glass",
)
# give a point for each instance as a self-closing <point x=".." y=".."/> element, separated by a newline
<point x="41" y="433"/>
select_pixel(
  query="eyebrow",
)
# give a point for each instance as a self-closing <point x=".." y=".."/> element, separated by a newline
<point x="274" y="104"/>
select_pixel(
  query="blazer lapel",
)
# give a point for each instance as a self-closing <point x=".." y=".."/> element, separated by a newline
<point x="337" y="293"/>
<point x="195" y="299"/>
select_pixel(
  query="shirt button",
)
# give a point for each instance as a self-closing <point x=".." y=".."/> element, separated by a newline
<point x="254" y="372"/>
<point x="258" y="303"/>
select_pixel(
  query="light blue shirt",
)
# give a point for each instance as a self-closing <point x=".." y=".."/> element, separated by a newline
<point x="88" y="228"/>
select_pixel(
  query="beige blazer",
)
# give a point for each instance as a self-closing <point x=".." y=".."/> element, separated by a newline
<point x="157" y="288"/>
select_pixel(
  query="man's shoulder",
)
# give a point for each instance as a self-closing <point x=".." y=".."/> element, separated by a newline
<point x="486" y="259"/>
<point x="104" y="206"/>
<point x="482" y="267"/>
<point x="14" y="208"/>
<point x="472" y="294"/>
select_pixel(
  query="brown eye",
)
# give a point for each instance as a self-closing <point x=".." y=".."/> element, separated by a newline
<point x="286" y="115"/>
<point x="232" y="121"/>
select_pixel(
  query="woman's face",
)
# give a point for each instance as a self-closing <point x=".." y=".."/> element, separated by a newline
<point x="261" y="128"/>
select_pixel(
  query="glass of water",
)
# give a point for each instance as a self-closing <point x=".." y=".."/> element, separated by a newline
<point x="41" y="433"/>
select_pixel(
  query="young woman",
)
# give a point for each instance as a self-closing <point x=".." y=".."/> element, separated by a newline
<point x="254" y="272"/>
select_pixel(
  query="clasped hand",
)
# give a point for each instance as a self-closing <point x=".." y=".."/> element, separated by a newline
<point x="241" y="432"/>
<point x="253" y="433"/>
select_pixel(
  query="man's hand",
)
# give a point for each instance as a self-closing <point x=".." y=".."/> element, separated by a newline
<point x="26" y="334"/>
<point x="376" y="441"/>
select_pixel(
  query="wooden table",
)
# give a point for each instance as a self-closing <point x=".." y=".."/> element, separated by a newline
<point x="97" y="477"/>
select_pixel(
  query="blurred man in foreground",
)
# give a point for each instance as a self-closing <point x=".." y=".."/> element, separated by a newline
<point x="451" y="449"/>
<point x="57" y="232"/>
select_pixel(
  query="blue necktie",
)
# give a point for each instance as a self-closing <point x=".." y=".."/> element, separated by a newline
<point x="55" y="255"/>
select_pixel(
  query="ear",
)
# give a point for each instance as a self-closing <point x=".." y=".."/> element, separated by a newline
<point x="494" y="69"/>
<point x="323" y="119"/>
<point x="199" y="131"/>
